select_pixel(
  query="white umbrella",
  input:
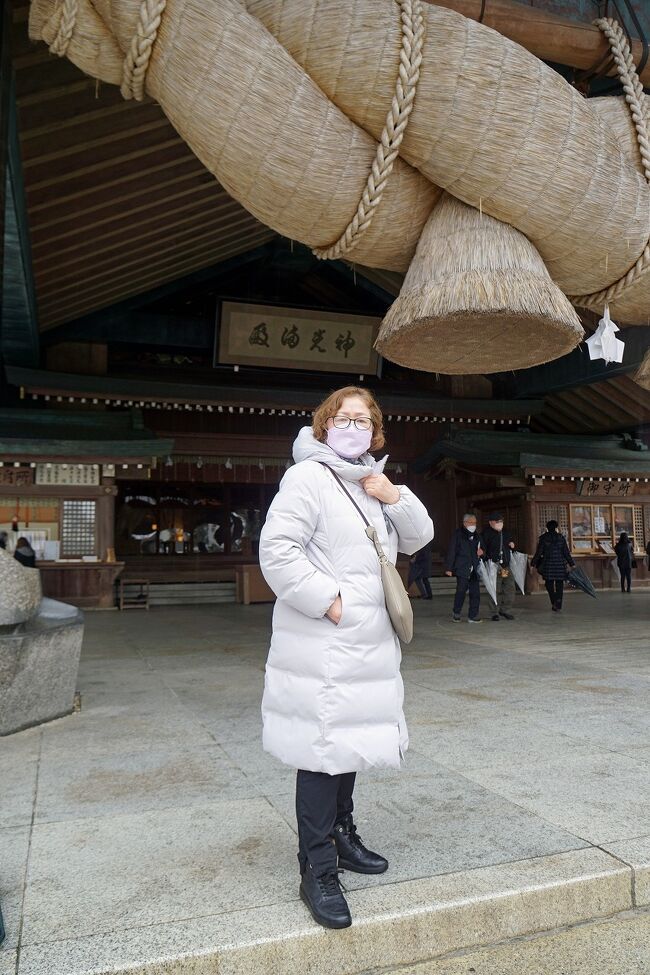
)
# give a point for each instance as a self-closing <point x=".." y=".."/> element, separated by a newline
<point x="487" y="573"/>
<point x="615" y="569"/>
<point x="518" y="567"/>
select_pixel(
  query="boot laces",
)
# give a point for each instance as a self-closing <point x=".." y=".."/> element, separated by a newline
<point x="355" y="839"/>
<point x="330" y="884"/>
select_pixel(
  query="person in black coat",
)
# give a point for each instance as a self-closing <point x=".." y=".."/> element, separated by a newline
<point x="551" y="560"/>
<point x="25" y="554"/>
<point x="420" y="571"/>
<point x="465" y="551"/>
<point x="498" y="544"/>
<point x="625" y="557"/>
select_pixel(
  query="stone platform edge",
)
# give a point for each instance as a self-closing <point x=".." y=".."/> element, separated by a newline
<point x="394" y="924"/>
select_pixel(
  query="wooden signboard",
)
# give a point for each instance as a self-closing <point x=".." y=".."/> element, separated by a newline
<point x="68" y="474"/>
<point x="16" y="477"/>
<point x="290" y="338"/>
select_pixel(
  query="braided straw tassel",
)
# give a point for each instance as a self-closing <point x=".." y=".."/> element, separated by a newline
<point x="67" y="23"/>
<point x="639" y="107"/>
<point x="412" y="21"/>
<point x="137" y="60"/>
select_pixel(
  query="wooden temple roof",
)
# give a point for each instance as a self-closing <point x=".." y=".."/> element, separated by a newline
<point x="541" y="453"/>
<point x="102" y="436"/>
<point x="40" y="383"/>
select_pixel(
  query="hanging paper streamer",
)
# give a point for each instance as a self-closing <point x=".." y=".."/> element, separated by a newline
<point x="603" y="344"/>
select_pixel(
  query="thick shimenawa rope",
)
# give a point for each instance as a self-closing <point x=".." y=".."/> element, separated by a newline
<point x="137" y="60"/>
<point x="639" y="106"/>
<point x="412" y="21"/>
<point x="66" y="27"/>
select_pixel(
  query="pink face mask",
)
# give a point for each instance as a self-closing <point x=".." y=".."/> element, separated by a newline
<point x="350" y="443"/>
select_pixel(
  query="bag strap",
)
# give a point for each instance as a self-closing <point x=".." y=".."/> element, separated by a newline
<point x="371" y="531"/>
<point x="342" y="485"/>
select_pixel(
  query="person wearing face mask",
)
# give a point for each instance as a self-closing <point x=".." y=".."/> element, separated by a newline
<point x="498" y="545"/>
<point x="465" y="550"/>
<point x="333" y="693"/>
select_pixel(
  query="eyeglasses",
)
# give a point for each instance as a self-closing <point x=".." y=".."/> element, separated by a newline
<point x="343" y="422"/>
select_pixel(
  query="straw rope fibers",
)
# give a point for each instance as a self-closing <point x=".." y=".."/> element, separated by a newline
<point x="491" y="124"/>
<point x="625" y="290"/>
<point x="476" y="283"/>
<point x="255" y="120"/>
<point x="393" y="132"/>
<point x="285" y="102"/>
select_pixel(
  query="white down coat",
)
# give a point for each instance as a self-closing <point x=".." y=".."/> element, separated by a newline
<point x="333" y="694"/>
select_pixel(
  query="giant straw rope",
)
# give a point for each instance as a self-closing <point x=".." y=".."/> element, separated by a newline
<point x="285" y="101"/>
<point x="392" y="134"/>
<point x="638" y="104"/>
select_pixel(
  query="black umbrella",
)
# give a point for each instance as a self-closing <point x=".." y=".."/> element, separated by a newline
<point x="580" y="580"/>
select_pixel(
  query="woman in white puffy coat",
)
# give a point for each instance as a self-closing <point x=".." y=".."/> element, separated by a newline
<point x="333" y="692"/>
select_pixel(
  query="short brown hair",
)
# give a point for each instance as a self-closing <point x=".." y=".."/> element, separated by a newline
<point x="332" y="405"/>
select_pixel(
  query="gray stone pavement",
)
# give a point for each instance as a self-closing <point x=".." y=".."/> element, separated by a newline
<point x="150" y="833"/>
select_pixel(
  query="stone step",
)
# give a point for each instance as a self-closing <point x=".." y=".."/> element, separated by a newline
<point x="186" y="593"/>
<point x="619" y="946"/>
<point x="395" y="926"/>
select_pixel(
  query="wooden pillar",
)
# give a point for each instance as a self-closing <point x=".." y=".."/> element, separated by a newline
<point x="531" y="534"/>
<point x="105" y="520"/>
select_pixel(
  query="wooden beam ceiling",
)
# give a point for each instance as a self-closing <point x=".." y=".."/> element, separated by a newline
<point x="615" y="404"/>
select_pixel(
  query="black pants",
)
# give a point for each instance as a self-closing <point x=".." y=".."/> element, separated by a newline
<point x="555" y="590"/>
<point x="322" y="801"/>
<point x="423" y="584"/>
<point x="626" y="579"/>
<point x="462" y="585"/>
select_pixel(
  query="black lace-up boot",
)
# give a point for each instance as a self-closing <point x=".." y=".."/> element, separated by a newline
<point x="324" y="898"/>
<point x="353" y="855"/>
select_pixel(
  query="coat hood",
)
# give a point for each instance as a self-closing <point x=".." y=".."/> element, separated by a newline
<point x="307" y="447"/>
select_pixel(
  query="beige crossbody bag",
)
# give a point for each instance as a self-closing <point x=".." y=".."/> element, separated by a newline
<point x="398" y="603"/>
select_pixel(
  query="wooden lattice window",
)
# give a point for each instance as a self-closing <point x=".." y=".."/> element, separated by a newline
<point x="553" y="512"/>
<point x="646" y="523"/>
<point x="78" y="528"/>
<point x="640" y="536"/>
<point x="595" y="528"/>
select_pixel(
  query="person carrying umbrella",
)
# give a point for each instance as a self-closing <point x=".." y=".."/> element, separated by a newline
<point x="550" y="560"/>
<point x="465" y="551"/>
<point x="625" y="560"/>
<point x="498" y="546"/>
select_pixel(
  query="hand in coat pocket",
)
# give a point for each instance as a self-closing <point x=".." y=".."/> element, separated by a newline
<point x="335" y="611"/>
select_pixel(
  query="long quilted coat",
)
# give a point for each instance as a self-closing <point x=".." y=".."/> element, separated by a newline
<point x="552" y="556"/>
<point x="333" y="693"/>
